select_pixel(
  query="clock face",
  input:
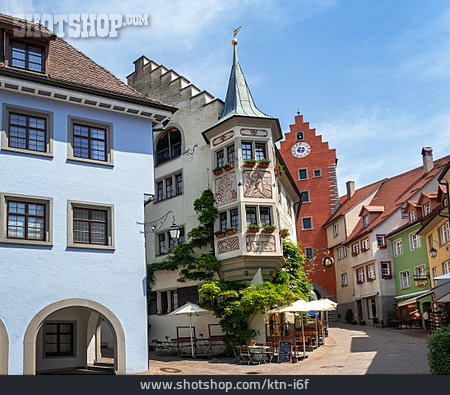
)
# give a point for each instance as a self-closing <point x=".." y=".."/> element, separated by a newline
<point x="300" y="150"/>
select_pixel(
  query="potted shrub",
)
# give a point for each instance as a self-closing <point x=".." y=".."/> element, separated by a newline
<point x="268" y="229"/>
<point x="279" y="170"/>
<point x="264" y="162"/>
<point x="231" y="231"/>
<point x="217" y="171"/>
<point x="220" y="233"/>
<point x="284" y="233"/>
<point x="249" y="162"/>
<point x="252" y="228"/>
<point x="349" y="318"/>
<point x="229" y="166"/>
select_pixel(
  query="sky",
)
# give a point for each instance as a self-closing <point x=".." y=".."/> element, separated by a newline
<point x="372" y="77"/>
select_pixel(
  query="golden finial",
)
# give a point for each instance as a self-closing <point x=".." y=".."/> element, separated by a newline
<point x="234" y="41"/>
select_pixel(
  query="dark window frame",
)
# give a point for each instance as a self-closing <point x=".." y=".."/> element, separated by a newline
<point x="26" y="216"/>
<point x="305" y="169"/>
<point x="234" y="218"/>
<point x="169" y="188"/>
<point x="162" y="248"/>
<point x="27" y="131"/>
<point x="231" y="154"/>
<point x="160" y="191"/>
<point x="223" y="221"/>
<point x="247" y="209"/>
<point x="27" y="45"/>
<point x="90" y="139"/>
<point x="220" y="158"/>
<point x="303" y="226"/>
<point x="164" y="302"/>
<point x="90" y="222"/>
<point x="58" y="334"/>
<point x="307" y="256"/>
<point x="315" y="173"/>
<point x="172" y="151"/>
<point x="258" y="151"/>
<point x="269" y="212"/>
<point x="179" y="186"/>
<point x="247" y="150"/>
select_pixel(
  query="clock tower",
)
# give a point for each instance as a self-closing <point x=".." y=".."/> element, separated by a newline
<point x="312" y="163"/>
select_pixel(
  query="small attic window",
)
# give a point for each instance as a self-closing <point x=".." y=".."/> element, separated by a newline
<point x="366" y="220"/>
<point x="27" y="56"/>
<point x="300" y="136"/>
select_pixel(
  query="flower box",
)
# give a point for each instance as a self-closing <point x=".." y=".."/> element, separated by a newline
<point x="249" y="162"/>
<point x="217" y="171"/>
<point x="264" y="163"/>
<point x="268" y="229"/>
<point x="253" y="229"/>
<point x="231" y="231"/>
<point x="229" y="166"/>
<point x="220" y="234"/>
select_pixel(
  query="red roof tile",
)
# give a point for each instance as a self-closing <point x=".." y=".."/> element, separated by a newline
<point x="345" y="203"/>
<point x="71" y="67"/>
<point x="395" y="191"/>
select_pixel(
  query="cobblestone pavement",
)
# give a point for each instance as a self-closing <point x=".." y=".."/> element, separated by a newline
<point x="349" y="350"/>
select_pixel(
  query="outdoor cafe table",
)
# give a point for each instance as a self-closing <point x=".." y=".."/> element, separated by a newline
<point x="257" y="353"/>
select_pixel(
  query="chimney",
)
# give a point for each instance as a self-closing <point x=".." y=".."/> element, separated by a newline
<point x="350" y="188"/>
<point x="427" y="156"/>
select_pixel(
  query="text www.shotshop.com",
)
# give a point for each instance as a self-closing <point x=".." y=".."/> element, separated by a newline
<point x="266" y="384"/>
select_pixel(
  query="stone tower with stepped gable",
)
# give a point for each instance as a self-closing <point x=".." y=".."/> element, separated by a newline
<point x="313" y="164"/>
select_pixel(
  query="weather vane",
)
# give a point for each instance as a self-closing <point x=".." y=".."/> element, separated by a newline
<point x="235" y="33"/>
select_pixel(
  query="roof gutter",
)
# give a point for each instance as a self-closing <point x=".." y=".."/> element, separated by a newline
<point x="78" y="88"/>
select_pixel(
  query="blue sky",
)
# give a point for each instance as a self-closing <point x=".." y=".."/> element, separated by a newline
<point x="372" y="77"/>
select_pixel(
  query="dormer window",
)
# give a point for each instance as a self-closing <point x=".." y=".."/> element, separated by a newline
<point x="366" y="221"/>
<point x="412" y="216"/>
<point x="27" y="56"/>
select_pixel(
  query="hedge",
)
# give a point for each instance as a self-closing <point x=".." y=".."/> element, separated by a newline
<point x="439" y="351"/>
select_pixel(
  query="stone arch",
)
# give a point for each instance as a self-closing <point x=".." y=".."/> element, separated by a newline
<point x="4" y="349"/>
<point x="29" y="360"/>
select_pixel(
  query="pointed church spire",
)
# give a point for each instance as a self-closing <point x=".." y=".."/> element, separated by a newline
<point x="239" y="100"/>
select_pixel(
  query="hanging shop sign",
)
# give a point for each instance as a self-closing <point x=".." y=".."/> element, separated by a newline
<point x="328" y="261"/>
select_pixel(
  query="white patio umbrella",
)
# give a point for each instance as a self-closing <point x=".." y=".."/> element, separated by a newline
<point x="190" y="309"/>
<point x="299" y="306"/>
<point x="322" y="305"/>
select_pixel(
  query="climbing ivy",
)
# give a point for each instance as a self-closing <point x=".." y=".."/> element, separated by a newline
<point x="184" y="256"/>
<point x="235" y="304"/>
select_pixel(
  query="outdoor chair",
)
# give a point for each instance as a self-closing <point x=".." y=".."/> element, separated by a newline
<point x="269" y="353"/>
<point x="242" y="355"/>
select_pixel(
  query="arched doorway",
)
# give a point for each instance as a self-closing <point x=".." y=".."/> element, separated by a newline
<point x="4" y="349"/>
<point x="66" y="335"/>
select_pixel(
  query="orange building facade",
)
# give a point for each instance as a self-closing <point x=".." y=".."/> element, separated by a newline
<point x="313" y="165"/>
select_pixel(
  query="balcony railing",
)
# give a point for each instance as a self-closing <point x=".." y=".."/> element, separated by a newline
<point x="168" y="153"/>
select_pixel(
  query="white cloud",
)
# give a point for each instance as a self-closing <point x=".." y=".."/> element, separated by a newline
<point x="376" y="145"/>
